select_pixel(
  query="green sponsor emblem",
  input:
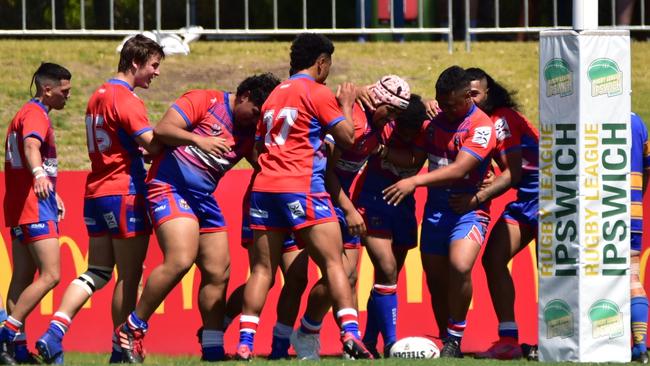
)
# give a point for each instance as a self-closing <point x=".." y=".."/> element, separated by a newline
<point x="605" y="78"/>
<point x="559" y="78"/>
<point x="606" y="319"/>
<point x="559" y="319"/>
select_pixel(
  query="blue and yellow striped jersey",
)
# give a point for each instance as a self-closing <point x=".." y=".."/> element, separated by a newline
<point x="640" y="163"/>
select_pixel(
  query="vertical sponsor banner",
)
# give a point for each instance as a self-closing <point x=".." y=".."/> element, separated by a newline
<point x="584" y="302"/>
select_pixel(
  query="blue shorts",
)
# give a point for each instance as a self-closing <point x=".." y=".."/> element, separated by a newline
<point x="441" y="228"/>
<point x="387" y="221"/>
<point x="289" y="245"/>
<point x="349" y="241"/>
<point x="635" y="241"/>
<point x="522" y="212"/>
<point x="118" y="216"/>
<point x="290" y="211"/>
<point x="200" y="207"/>
<point x="29" y="233"/>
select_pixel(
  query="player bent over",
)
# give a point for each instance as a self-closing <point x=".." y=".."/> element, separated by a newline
<point x="389" y="97"/>
<point x="117" y="127"/>
<point x="391" y="230"/>
<point x="32" y="208"/>
<point x="516" y="154"/>
<point x="458" y="142"/>
<point x="289" y="190"/>
<point x="208" y="132"/>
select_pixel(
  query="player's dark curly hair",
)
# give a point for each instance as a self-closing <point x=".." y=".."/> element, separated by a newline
<point x="139" y="49"/>
<point x="49" y="73"/>
<point x="454" y="78"/>
<point x="259" y="86"/>
<point x="306" y="48"/>
<point x="414" y="115"/>
<point x="498" y="95"/>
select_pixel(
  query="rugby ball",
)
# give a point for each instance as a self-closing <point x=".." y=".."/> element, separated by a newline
<point x="414" y="347"/>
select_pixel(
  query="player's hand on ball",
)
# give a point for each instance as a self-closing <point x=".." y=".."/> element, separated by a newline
<point x="214" y="145"/>
<point x="463" y="202"/>
<point x="356" y="225"/>
<point x="42" y="187"/>
<point x="398" y="191"/>
<point x="432" y="108"/>
<point x="346" y="94"/>
<point x="363" y="96"/>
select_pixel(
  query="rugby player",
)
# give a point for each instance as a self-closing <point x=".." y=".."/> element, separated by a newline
<point x="458" y="142"/>
<point x="516" y="155"/>
<point x="32" y="208"/>
<point x="118" y="130"/>
<point x="207" y="133"/>
<point x="390" y="97"/>
<point x="289" y="191"/>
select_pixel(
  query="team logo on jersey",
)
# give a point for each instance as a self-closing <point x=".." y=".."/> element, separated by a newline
<point x="110" y="219"/>
<point x="502" y="129"/>
<point x="605" y="77"/>
<point x="559" y="78"/>
<point x="296" y="209"/>
<point x="216" y="129"/>
<point x="482" y="136"/>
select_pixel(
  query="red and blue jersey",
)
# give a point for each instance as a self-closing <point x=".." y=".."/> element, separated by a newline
<point x="381" y="173"/>
<point x="21" y="206"/>
<point x="515" y="132"/>
<point x="115" y="116"/>
<point x="366" y="140"/>
<point x="640" y="163"/>
<point x="295" y="119"/>
<point x="443" y="140"/>
<point x="206" y="113"/>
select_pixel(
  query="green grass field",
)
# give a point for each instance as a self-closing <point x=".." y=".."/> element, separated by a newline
<point x="222" y="65"/>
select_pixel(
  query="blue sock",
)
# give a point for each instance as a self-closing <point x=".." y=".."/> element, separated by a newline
<point x="53" y="329"/>
<point x="386" y="302"/>
<point x="247" y="338"/>
<point x="352" y="327"/>
<point x="3" y="315"/>
<point x="456" y="329"/>
<point x="639" y="317"/>
<point x="508" y="329"/>
<point x="136" y="323"/>
<point x="372" y="324"/>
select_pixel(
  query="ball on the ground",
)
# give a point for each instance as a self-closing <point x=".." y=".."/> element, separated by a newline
<point x="414" y="347"/>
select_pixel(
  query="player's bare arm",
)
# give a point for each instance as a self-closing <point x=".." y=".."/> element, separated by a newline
<point x="510" y="165"/>
<point x="444" y="176"/>
<point x="343" y="132"/>
<point x="42" y="184"/>
<point x="404" y="158"/>
<point x="172" y="131"/>
<point x="356" y="225"/>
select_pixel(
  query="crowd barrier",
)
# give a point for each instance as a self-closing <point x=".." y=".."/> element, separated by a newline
<point x="173" y="327"/>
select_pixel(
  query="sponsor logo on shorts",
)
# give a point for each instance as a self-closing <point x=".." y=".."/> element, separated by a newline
<point x="17" y="231"/>
<point x="90" y="221"/>
<point x="183" y="204"/>
<point x="321" y="208"/>
<point x="482" y="136"/>
<point x="37" y="226"/>
<point x="475" y="234"/>
<point x="135" y="219"/>
<point x="110" y="219"/>
<point x="296" y="209"/>
<point x="160" y="208"/>
<point x="260" y="214"/>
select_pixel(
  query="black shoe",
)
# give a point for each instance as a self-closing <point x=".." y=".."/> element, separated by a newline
<point x="451" y="348"/>
<point x="641" y="358"/>
<point x="530" y="351"/>
<point x="6" y="351"/>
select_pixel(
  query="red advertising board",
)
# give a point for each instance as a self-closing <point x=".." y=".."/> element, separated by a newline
<point x="91" y="329"/>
